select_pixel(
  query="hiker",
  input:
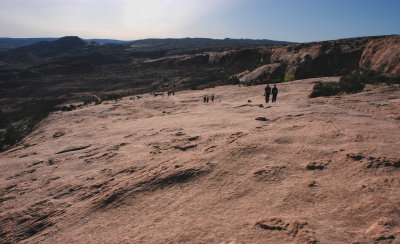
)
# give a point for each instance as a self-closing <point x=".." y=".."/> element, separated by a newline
<point x="274" y="93"/>
<point x="212" y="98"/>
<point x="267" y="93"/>
<point x="204" y="98"/>
<point x="207" y="98"/>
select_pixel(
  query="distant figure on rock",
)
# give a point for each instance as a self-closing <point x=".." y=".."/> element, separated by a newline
<point x="212" y="98"/>
<point x="274" y="93"/>
<point x="267" y="93"/>
<point x="204" y="98"/>
<point x="207" y="98"/>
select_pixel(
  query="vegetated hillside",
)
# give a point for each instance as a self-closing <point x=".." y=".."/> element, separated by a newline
<point x="173" y="169"/>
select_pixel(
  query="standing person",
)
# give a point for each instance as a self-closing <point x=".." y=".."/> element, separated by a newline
<point x="212" y="98"/>
<point x="274" y="93"/>
<point x="204" y="99"/>
<point x="267" y="93"/>
<point x="207" y="98"/>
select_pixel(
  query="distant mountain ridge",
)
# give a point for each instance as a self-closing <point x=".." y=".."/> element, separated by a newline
<point x="7" y="43"/>
<point x="203" y="41"/>
<point x="73" y="46"/>
<point x="177" y="46"/>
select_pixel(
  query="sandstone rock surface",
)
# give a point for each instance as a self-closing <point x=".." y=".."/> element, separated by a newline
<point x="210" y="173"/>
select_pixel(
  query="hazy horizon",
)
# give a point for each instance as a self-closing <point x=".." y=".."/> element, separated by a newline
<point x="292" y="21"/>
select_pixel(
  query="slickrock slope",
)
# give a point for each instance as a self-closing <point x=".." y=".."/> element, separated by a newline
<point x="382" y="56"/>
<point x="176" y="170"/>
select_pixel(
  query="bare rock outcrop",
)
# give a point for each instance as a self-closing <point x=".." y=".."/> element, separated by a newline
<point x="265" y="72"/>
<point x="254" y="65"/>
<point x="382" y="55"/>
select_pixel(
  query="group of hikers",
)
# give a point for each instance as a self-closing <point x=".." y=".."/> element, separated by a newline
<point x="206" y="98"/>
<point x="268" y="91"/>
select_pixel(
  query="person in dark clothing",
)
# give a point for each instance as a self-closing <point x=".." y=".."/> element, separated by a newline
<point x="267" y="93"/>
<point x="274" y="93"/>
<point x="204" y="98"/>
<point x="212" y="98"/>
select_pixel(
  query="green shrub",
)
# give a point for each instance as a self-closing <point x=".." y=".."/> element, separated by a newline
<point x="289" y="77"/>
<point x="14" y="132"/>
<point x="321" y="89"/>
<point x="393" y="80"/>
<point x="234" y="80"/>
<point x="352" y="83"/>
<point x="68" y="108"/>
<point x="371" y="77"/>
<point x="348" y="84"/>
<point x="16" y="125"/>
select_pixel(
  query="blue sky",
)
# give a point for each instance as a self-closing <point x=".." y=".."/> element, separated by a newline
<point x="288" y="20"/>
